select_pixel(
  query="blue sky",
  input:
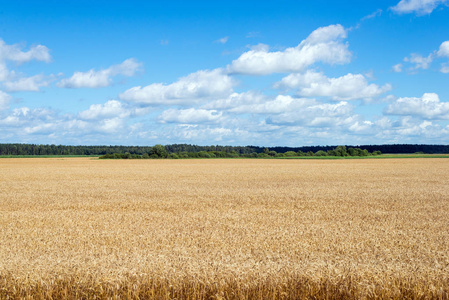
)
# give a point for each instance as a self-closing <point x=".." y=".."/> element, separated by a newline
<point x="267" y="73"/>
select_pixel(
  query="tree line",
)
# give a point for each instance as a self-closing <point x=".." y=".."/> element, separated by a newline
<point x="160" y="151"/>
<point x="182" y="149"/>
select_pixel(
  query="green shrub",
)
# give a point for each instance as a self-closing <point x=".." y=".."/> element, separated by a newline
<point x="320" y="153"/>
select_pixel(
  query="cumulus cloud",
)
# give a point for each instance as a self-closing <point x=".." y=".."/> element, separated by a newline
<point x="20" y="117"/>
<point x="111" y="125"/>
<point x="76" y="126"/>
<point x="101" y="78"/>
<point x="199" y="86"/>
<point x="110" y="109"/>
<point x="4" y="72"/>
<point x="113" y="128"/>
<point x="107" y="126"/>
<point x="316" y="115"/>
<point x="322" y="45"/>
<point x="285" y="110"/>
<point x="44" y="128"/>
<point x="419" y="61"/>
<point x="208" y="134"/>
<point x="361" y="126"/>
<point x="4" y="100"/>
<point x="408" y="127"/>
<point x="253" y="102"/>
<point x="397" y="68"/>
<point x="444" y="68"/>
<point x="428" y="106"/>
<point x="14" y="53"/>
<point x="419" y="7"/>
<point x="424" y="62"/>
<point x="280" y="104"/>
<point x="11" y="80"/>
<point x="30" y="84"/>
<point x="444" y="49"/>
<point x="236" y="100"/>
<point x="347" y="87"/>
<point x="190" y="116"/>
<point x="28" y="122"/>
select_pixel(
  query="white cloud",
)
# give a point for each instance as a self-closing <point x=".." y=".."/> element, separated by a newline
<point x="128" y="68"/>
<point x="444" y="49"/>
<point x="190" y="116"/>
<point x="113" y="129"/>
<point x="27" y="122"/>
<point x="44" y="128"/>
<point x="316" y="115"/>
<point x="14" y="53"/>
<point x="89" y="79"/>
<point x="199" y="86"/>
<point x="236" y="99"/>
<point x="75" y="127"/>
<point x="4" y="72"/>
<point x="347" y="87"/>
<point x="111" y="108"/>
<point x="419" y="61"/>
<point x="286" y="111"/>
<point x="102" y="78"/>
<point x="252" y="102"/>
<point x="280" y="104"/>
<point x="444" y="68"/>
<point x="409" y="127"/>
<point x="322" y="45"/>
<point x="397" y="68"/>
<point x="361" y="126"/>
<point x="420" y="7"/>
<point x="373" y="15"/>
<point x="223" y="40"/>
<point x="4" y="100"/>
<point x="301" y="80"/>
<point x="24" y="115"/>
<point x="111" y="125"/>
<point x="428" y="106"/>
<point x="31" y="84"/>
<point x="410" y="130"/>
<point x="209" y="134"/>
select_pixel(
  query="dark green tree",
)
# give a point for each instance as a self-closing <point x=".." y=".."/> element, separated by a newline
<point x="159" y="151"/>
<point x="341" y="151"/>
<point x="272" y="153"/>
<point x="290" y="153"/>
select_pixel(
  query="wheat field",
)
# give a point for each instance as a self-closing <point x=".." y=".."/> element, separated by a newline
<point x="224" y="229"/>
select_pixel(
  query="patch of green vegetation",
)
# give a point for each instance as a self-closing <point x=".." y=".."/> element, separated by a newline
<point x="159" y="152"/>
<point x="412" y="156"/>
<point x="382" y="156"/>
<point x="45" y="156"/>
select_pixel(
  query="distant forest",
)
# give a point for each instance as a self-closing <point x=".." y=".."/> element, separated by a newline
<point x="33" y="149"/>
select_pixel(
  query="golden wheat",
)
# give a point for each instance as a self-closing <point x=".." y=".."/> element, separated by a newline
<point x="200" y="229"/>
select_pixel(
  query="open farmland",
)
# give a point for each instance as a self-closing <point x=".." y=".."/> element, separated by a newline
<point x="85" y="228"/>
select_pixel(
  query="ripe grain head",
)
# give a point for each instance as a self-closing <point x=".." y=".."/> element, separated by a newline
<point x="249" y="227"/>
